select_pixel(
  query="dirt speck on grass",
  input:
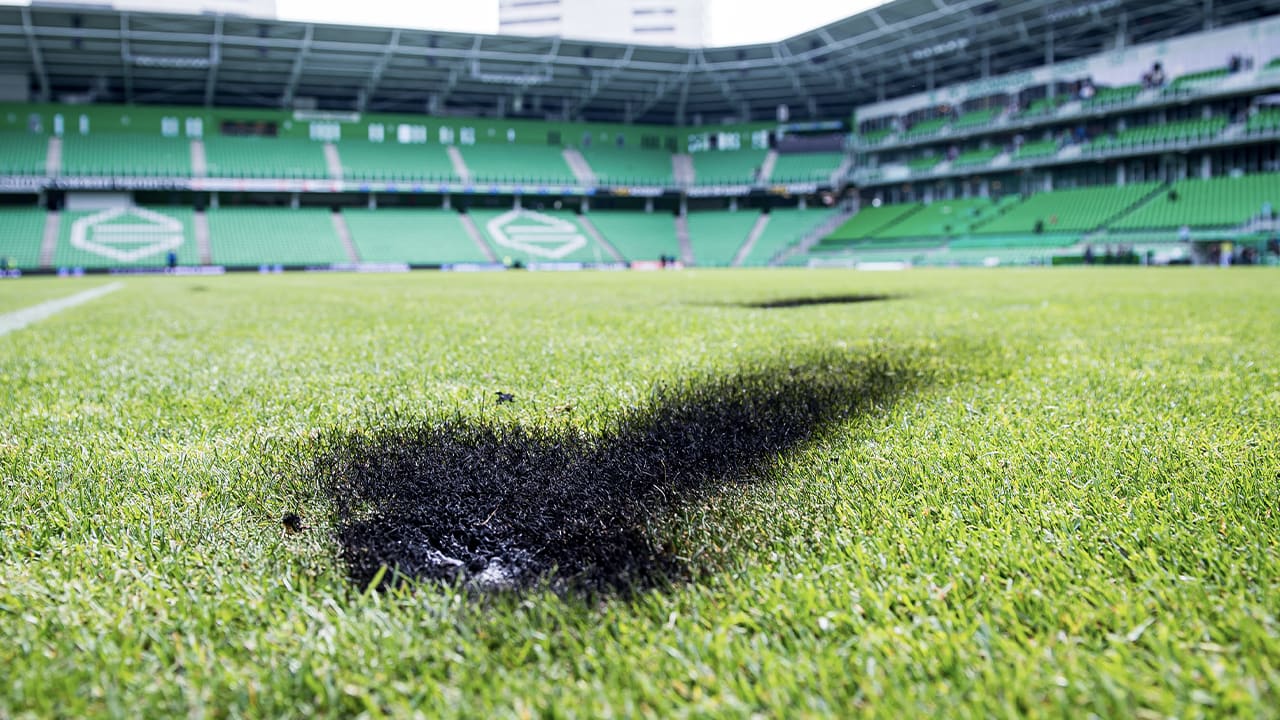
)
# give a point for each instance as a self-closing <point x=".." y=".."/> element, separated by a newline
<point x="497" y="506"/>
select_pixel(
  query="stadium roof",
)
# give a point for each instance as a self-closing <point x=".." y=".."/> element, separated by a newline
<point x="901" y="47"/>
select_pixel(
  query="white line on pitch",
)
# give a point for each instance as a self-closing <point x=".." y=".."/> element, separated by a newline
<point x="19" y="319"/>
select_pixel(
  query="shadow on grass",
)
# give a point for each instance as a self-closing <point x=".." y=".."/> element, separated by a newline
<point x="794" y="302"/>
<point x="496" y="506"/>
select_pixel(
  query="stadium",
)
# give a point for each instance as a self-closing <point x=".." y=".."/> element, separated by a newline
<point x="918" y="363"/>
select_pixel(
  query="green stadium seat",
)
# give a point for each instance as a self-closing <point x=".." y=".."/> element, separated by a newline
<point x="21" y="232"/>
<point x="716" y="235"/>
<point x="925" y="163"/>
<point x="975" y="158"/>
<point x="785" y="227"/>
<point x="727" y="167"/>
<point x="1185" y="131"/>
<point x="249" y="237"/>
<point x="515" y="163"/>
<point x="1044" y="106"/>
<point x="395" y="162"/>
<point x="23" y="153"/>
<point x="1106" y="97"/>
<point x="1193" y="81"/>
<point x="626" y="166"/>
<point x="132" y="238"/>
<point x="875" y="137"/>
<point x="1264" y="121"/>
<point x="867" y="223"/>
<point x="1073" y="211"/>
<point x="976" y="119"/>
<point x="573" y="244"/>
<point x="941" y="219"/>
<point x="926" y="128"/>
<point x="638" y="235"/>
<point x="262" y="157"/>
<point x="805" y="167"/>
<point x="126" y="155"/>
<point x="417" y="236"/>
<point x="1036" y="150"/>
<point x="1213" y="203"/>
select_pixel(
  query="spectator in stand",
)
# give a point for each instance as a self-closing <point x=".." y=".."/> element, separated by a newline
<point x="1087" y="90"/>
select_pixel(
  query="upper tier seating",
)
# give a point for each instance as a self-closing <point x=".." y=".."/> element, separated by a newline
<point x="129" y="240"/>
<point x="976" y="157"/>
<point x="926" y="162"/>
<point x="805" y="167"/>
<point x="1160" y="134"/>
<point x="727" y="167"/>
<point x="1105" y="96"/>
<point x="515" y="163"/>
<point x="1264" y="121"/>
<point x="263" y="157"/>
<point x="868" y="221"/>
<point x="785" y="227"/>
<point x="716" y="235"/>
<point x="639" y="235"/>
<point x="976" y="119"/>
<point x="572" y="244"/>
<point x="1217" y="202"/>
<point x="21" y="231"/>
<point x="268" y="236"/>
<point x="1191" y="80"/>
<point x="23" y="153"/>
<point x="875" y="137"/>
<point x="926" y="128"/>
<point x="395" y="162"/>
<point x="126" y="155"/>
<point x="623" y="166"/>
<point x="418" y="236"/>
<point x="1067" y="211"/>
<point x="1044" y="106"/>
<point x="1041" y="149"/>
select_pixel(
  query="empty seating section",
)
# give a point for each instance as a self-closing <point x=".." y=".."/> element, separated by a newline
<point x="529" y="240"/>
<point x="875" y="137"/>
<point x="1040" y="149"/>
<point x="1217" y="202"/>
<point x="1044" y="106"/>
<point x="942" y="218"/>
<point x="258" y="236"/>
<point x="417" y="236"/>
<point x="1160" y="134"/>
<point x="727" y="167"/>
<point x="21" y="230"/>
<point x="784" y="228"/>
<point x="1190" y="81"/>
<point x="23" y="153"/>
<point x="868" y="221"/>
<point x="716" y="235"/>
<point x="262" y="157"/>
<point x="120" y="154"/>
<point x="976" y="119"/>
<point x="926" y="128"/>
<point x="976" y="157"/>
<point x="621" y="166"/>
<point x="1113" y="96"/>
<point x="639" y="236"/>
<point x="1013" y="241"/>
<point x="530" y="164"/>
<point x="920" y="164"/>
<point x="144" y="238"/>
<point x="805" y="167"/>
<point x="1264" y="121"/>
<point x="395" y="162"/>
<point x="1068" y="211"/>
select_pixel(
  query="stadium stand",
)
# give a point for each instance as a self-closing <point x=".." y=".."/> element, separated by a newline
<point x="132" y="242"/>
<point x="921" y="164"/>
<point x="395" y="162"/>
<point x="1213" y="203"/>
<point x="727" y="167"/>
<point x="21" y="230"/>
<point x="512" y="163"/>
<point x="974" y="158"/>
<point x="805" y="167"/>
<point x="417" y="236"/>
<point x="258" y="236"/>
<point x="717" y="235"/>
<point x="942" y="218"/>
<point x="1037" y="150"/>
<point x="977" y="119"/>
<point x="1044" y="106"/>
<point x="1160" y="134"/>
<point x="623" y="166"/>
<point x="588" y="250"/>
<point x="261" y="157"/>
<point x="1106" y="97"/>
<point x="1190" y="81"/>
<point x="23" y="153"/>
<point x="868" y="221"/>
<point x="639" y="236"/>
<point x="926" y="128"/>
<point x="875" y="137"/>
<point x="136" y="155"/>
<point x="1264" y="121"/>
<point x="1073" y="211"/>
<point x="785" y="227"/>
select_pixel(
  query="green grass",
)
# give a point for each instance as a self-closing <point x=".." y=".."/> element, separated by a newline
<point x="1069" y="506"/>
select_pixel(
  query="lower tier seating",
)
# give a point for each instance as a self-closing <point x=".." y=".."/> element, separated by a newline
<point x="21" y="230"/>
<point x="539" y="236"/>
<point x="1067" y="211"/>
<point x="134" y="237"/>
<point x="716" y="235"/>
<point x="258" y="236"/>
<point x="1217" y="202"/>
<point x="639" y="236"/>
<point x="417" y="236"/>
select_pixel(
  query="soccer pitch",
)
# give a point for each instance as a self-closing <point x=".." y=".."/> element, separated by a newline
<point x="950" y="493"/>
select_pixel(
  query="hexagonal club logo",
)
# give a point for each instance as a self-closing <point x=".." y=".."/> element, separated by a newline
<point x="127" y="234"/>
<point x="536" y="234"/>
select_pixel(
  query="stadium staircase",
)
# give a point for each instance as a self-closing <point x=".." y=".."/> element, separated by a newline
<point x="342" y="230"/>
<point x="49" y="240"/>
<point x="459" y="167"/>
<point x="594" y="232"/>
<point x="753" y="237"/>
<point x="199" y="161"/>
<point x="682" y="235"/>
<point x="716" y="235"/>
<point x="474" y="233"/>
<point x="842" y="171"/>
<point x="333" y="161"/>
<point x="766" y="167"/>
<point x="200" y="228"/>
<point x="53" y="157"/>
<point x="682" y="169"/>
<point x="578" y="164"/>
<point x="811" y="239"/>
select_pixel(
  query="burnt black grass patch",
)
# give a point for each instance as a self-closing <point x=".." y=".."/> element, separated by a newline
<point x="795" y="302"/>
<point x="503" y="506"/>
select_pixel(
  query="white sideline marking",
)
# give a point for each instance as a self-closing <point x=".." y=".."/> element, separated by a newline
<point x="19" y="319"/>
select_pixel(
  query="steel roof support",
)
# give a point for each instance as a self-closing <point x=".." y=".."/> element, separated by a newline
<point x="375" y="77"/>
<point x="37" y="60"/>
<point x="215" y="59"/>
<point x="295" y="73"/>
